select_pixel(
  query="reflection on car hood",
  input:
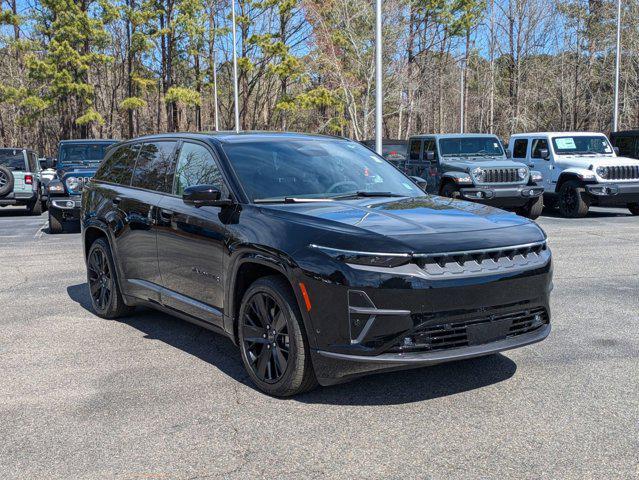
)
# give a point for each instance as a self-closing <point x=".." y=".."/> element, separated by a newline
<point x="421" y="224"/>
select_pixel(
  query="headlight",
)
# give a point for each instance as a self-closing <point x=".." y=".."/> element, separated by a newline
<point x="522" y="172"/>
<point x="56" y="187"/>
<point x="478" y="173"/>
<point x="365" y="258"/>
<point x="603" y="172"/>
<point x="463" y="179"/>
<point x="72" y="183"/>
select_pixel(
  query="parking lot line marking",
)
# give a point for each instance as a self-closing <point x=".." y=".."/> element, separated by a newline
<point x="40" y="231"/>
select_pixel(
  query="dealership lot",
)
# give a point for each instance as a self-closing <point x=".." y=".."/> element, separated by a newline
<point x="154" y="397"/>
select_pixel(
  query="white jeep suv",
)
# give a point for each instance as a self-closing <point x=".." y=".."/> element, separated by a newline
<point x="579" y="169"/>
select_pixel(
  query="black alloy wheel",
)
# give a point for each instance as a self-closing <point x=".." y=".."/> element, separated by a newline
<point x="100" y="279"/>
<point x="106" y="297"/>
<point x="266" y="338"/>
<point x="272" y="339"/>
<point x="572" y="200"/>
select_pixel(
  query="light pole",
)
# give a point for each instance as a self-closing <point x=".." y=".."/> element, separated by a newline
<point x="235" y="95"/>
<point x="615" y="115"/>
<point x="378" y="77"/>
<point x="461" y="97"/>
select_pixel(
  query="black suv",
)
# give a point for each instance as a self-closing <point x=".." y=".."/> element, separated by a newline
<point x="317" y="257"/>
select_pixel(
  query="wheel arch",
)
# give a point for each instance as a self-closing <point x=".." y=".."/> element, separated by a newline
<point x="565" y="177"/>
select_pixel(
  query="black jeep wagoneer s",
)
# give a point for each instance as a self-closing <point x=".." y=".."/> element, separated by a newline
<point x="316" y="256"/>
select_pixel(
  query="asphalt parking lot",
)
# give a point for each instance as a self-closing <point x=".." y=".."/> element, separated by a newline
<point x="155" y="397"/>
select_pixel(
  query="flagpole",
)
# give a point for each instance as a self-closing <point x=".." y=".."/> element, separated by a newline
<point x="378" y="76"/>
<point x="235" y="94"/>
<point x="615" y="115"/>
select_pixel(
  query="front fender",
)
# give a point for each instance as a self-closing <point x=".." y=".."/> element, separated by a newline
<point x="460" y="178"/>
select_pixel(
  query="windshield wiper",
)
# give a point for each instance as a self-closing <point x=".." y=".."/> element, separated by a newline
<point x="292" y="200"/>
<point x="363" y="193"/>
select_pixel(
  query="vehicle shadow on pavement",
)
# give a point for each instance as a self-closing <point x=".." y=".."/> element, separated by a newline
<point x="380" y="389"/>
<point x="554" y="213"/>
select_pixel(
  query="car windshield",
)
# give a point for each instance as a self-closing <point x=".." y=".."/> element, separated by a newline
<point x="581" y="145"/>
<point x="470" y="147"/>
<point x="280" y="169"/>
<point x="13" y="159"/>
<point x="81" y="153"/>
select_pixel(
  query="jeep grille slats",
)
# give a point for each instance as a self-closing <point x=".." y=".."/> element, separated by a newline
<point x="500" y="175"/>
<point x="628" y="172"/>
<point x="481" y="261"/>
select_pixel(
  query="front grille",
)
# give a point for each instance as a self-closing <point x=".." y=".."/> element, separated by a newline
<point x="482" y="261"/>
<point x="628" y="172"/>
<point x="456" y="335"/>
<point x="500" y="175"/>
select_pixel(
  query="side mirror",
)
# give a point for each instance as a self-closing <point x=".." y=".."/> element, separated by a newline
<point x="430" y="155"/>
<point x="420" y="182"/>
<point x="204" y="195"/>
<point x="616" y="150"/>
<point x="509" y="154"/>
<point x="544" y="153"/>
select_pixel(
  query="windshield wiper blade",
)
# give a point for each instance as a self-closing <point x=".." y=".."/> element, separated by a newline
<point x="363" y="193"/>
<point x="292" y="200"/>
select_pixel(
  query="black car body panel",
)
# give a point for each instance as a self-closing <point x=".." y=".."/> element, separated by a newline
<point x="461" y="263"/>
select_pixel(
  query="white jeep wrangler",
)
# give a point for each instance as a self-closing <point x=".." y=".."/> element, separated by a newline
<point x="579" y="169"/>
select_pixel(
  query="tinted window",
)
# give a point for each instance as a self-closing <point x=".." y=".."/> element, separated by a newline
<point x="154" y="167"/>
<point x="196" y="166"/>
<point x="274" y="168"/>
<point x="415" y="147"/>
<point x="118" y="167"/>
<point x="394" y="151"/>
<point x="626" y="146"/>
<point x="429" y="146"/>
<point x="12" y="159"/>
<point x="537" y="146"/>
<point x="520" y="147"/>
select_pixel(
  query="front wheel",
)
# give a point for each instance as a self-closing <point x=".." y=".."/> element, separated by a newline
<point x="634" y="208"/>
<point x="573" y="202"/>
<point x="449" y="190"/>
<point x="35" y="207"/>
<point x="273" y="342"/>
<point x="55" y="222"/>
<point x="533" y="208"/>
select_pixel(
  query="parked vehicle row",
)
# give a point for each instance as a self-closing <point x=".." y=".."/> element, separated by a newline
<point x="320" y="260"/>
<point x="570" y="171"/>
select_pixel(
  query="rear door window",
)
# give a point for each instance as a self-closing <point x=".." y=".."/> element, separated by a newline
<point x="196" y="166"/>
<point x="520" y="147"/>
<point x="118" y="167"/>
<point x="155" y="166"/>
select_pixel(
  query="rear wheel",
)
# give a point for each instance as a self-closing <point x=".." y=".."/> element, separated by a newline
<point x="449" y="190"/>
<point x="55" y="222"/>
<point x="532" y="209"/>
<point x="634" y="208"/>
<point x="573" y="202"/>
<point x="106" y="297"/>
<point x="273" y="342"/>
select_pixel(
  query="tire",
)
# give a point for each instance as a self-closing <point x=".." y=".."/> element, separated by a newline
<point x="269" y="309"/>
<point x="550" y="202"/>
<point x="573" y="202"/>
<point x="55" y="223"/>
<point x="35" y="208"/>
<point x="533" y="209"/>
<point x="104" y="290"/>
<point x="6" y="181"/>
<point x="634" y="208"/>
<point x="449" y="190"/>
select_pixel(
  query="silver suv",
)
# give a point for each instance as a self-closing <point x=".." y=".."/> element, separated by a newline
<point x="20" y="179"/>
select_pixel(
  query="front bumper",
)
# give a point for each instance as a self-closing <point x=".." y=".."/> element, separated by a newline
<point x="613" y="194"/>
<point x="68" y="207"/>
<point x="336" y="368"/>
<point x="517" y="196"/>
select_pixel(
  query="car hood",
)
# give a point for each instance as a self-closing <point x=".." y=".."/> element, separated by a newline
<point x="76" y="171"/>
<point x="584" y="161"/>
<point x="467" y="164"/>
<point x="420" y="224"/>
